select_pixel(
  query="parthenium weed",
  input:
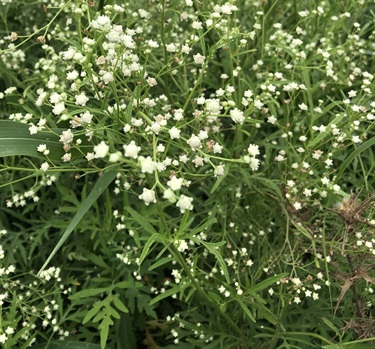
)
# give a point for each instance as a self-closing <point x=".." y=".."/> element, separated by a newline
<point x="228" y="128"/>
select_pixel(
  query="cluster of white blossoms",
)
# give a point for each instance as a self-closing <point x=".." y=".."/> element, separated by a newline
<point x="91" y="78"/>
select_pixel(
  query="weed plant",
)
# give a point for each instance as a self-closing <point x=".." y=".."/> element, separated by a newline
<point x="187" y="174"/>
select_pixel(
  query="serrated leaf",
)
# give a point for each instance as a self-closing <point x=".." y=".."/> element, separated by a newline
<point x="99" y="316"/>
<point x="112" y="311"/>
<point x="92" y="312"/>
<point x="104" y="330"/>
<point x="118" y="304"/>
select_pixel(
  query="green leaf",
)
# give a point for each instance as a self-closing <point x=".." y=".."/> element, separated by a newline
<point x="98" y="260"/>
<point x="155" y="237"/>
<point x="88" y="293"/>
<point x="160" y="262"/>
<point x="66" y="345"/>
<point x="15" y="139"/>
<point x="118" y="304"/>
<point x="92" y="312"/>
<point x="103" y="182"/>
<point x="369" y="143"/>
<point x="264" y="312"/>
<point x="212" y="248"/>
<point x="204" y="226"/>
<point x="246" y="310"/>
<point x="104" y="330"/>
<point x="141" y="221"/>
<point x="220" y="179"/>
<point x="267" y="283"/>
<point x="168" y="293"/>
<point x="269" y="183"/>
<point x="123" y="285"/>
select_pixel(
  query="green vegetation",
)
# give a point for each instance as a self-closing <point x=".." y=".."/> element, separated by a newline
<point x="187" y="174"/>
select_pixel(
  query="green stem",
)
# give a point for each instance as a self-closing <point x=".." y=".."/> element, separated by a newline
<point x="230" y="322"/>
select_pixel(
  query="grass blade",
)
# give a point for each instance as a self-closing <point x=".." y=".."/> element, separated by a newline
<point x="355" y="153"/>
<point x="103" y="182"/>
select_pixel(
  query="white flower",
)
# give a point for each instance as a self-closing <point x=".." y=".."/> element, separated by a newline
<point x="171" y="47"/>
<point x="185" y="203"/>
<point x="55" y="98"/>
<point x="254" y="163"/>
<point x="258" y="104"/>
<point x="304" y="13"/>
<point x="59" y="108"/>
<point x="253" y="150"/>
<point x="3" y="338"/>
<point x="33" y="129"/>
<point x="352" y="94"/>
<point x="115" y="157"/>
<point x="152" y="44"/>
<point x="148" y="196"/>
<point x="174" y="132"/>
<point x="131" y="150"/>
<point x="86" y="117"/>
<point x="219" y="170"/>
<point x="81" y="99"/>
<point x="169" y="195"/>
<point x="194" y="141"/>
<point x="197" y="25"/>
<point x="72" y="75"/>
<point x="272" y="120"/>
<point x="151" y="81"/>
<point x="44" y="166"/>
<point x="9" y="330"/>
<point x="147" y="164"/>
<point x="101" y="150"/>
<point x="102" y="23"/>
<point x="42" y="148"/>
<point x="237" y="116"/>
<point x="107" y="77"/>
<point x="217" y="148"/>
<point x="175" y="183"/>
<point x="178" y="114"/>
<point x="356" y="139"/>
<point x="182" y="246"/>
<point x="199" y="59"/>
<point x="66" y="137"/>
<point x="203" y="134"/>
<point x="213" y="105"/>
<point x="66" y="157"/>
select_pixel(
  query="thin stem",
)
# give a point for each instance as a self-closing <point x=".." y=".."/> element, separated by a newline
<point x="230" y="322"/>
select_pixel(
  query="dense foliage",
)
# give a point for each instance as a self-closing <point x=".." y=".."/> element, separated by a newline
<point x="187" y="174"/>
